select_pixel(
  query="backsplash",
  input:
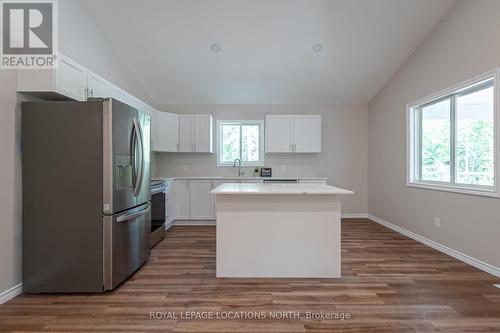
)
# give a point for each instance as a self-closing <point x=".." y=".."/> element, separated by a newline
<point x="193" y="164"/>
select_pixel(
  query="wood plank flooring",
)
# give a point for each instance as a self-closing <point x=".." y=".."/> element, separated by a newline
<point x="390" y="283"/>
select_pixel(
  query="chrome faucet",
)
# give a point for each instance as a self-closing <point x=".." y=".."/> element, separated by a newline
<point x="240" y="170"/>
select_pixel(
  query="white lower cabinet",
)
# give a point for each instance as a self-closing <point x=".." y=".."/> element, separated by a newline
<point x="169" y="202"/>
<point x="181" y="199"/>
<point x="201" y="202"/>
<point x="192" y="199"/>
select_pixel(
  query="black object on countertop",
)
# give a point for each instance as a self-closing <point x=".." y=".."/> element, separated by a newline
<point x="266" y="172"/>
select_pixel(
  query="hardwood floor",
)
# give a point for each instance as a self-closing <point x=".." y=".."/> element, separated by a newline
<point x="390" y="283"/>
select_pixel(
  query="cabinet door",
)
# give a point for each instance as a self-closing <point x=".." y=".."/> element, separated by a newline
<point x="200" y="200"/>
<point x="71" y="78"/>
<point x="203" y="125"/>
<point x="186" y="133"/>
<point x="168" y="134"/>
<point x="119" y="94"/>
<point x="278" y="134"/>
<point x="97" y="86"/>
<point x="169" y="191"/>
<point x="154" y="130"/>
<point x="307" y="134"/>
<point x="181" y="199"/>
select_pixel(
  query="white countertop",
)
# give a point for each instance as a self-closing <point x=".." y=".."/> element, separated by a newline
<point x="232" y="188"/>
<point x="238" y="178"/>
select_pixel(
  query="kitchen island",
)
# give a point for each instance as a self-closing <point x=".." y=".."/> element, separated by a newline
<point x="278" y="230"/>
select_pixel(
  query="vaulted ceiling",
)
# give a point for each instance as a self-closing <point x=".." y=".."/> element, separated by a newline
<point x="264" y="48"/>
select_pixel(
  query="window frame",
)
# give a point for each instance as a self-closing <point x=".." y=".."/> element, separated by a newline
<point x="259" y="122"/>
<point x="414" y="137"/>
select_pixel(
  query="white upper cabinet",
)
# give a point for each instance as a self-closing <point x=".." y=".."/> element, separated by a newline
<point x="293" y="133"/>
<point x="307" y="134"/>
<point x="186" y="133"/>
<point x="154" y="130"/>
<point x="97" y="86"/>
<point x="69" y="80"/>
<point x="119" y="94"/>
<point x="138" y="104"/>
<point x="203" y="125"/>
<point x="167" y="131"/>
<point x="195" y="133"/>
<point x="278" y="134"/>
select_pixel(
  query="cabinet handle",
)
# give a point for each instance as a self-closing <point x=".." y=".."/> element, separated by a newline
<point x="92" y="92"/>
<point x="86" y="93"/>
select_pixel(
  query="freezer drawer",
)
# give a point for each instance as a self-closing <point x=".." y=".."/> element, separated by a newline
<point x="127" y="244"/>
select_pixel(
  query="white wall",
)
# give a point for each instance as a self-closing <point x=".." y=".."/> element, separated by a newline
<point x="80" y="40"/>
<point x="342" y="160"/>
<point x="10" y="178"/>
<point x="466" y="44"/>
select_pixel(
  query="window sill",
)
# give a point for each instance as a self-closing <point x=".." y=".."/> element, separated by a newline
<point x="455" y="189"/>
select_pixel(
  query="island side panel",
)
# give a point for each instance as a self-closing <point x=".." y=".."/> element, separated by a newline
<point x="278" y="235"/>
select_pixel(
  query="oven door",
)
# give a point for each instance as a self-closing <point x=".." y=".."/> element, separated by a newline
<point x="126" y="244"/>
<point x="158" y="217"/>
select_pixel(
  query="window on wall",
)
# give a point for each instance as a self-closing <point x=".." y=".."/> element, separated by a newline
<point x="243" y="140"/>
<point x="453" y="139"/>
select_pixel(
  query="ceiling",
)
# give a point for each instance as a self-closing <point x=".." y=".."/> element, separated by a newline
<point x="266" y="47"/>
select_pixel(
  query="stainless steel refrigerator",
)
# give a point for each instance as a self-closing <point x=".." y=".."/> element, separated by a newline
<point x="86" y="194"/>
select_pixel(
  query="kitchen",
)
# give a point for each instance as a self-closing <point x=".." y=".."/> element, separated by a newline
<point x="225" y="166"/>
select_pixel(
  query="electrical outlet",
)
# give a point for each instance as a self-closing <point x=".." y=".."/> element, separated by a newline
<point x="437" y="222"/>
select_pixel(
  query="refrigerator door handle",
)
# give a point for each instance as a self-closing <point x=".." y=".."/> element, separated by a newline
<point x="133" y="146"/>
<point x="141" y="145"/>
<point x="136" y="172"/>
<point x="129" y="216"/>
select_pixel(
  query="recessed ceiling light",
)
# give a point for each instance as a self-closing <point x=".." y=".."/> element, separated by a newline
<point x="317" y="47"/>
<point x="215" y="48"/>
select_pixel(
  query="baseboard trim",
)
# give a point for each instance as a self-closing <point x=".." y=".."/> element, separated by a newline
<point x="9" y="294"/>
<point x="354" y="215"/>
<point x="193" y="222"/>
<point x="212" y="222"/>
<point x="440" y="247"/>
